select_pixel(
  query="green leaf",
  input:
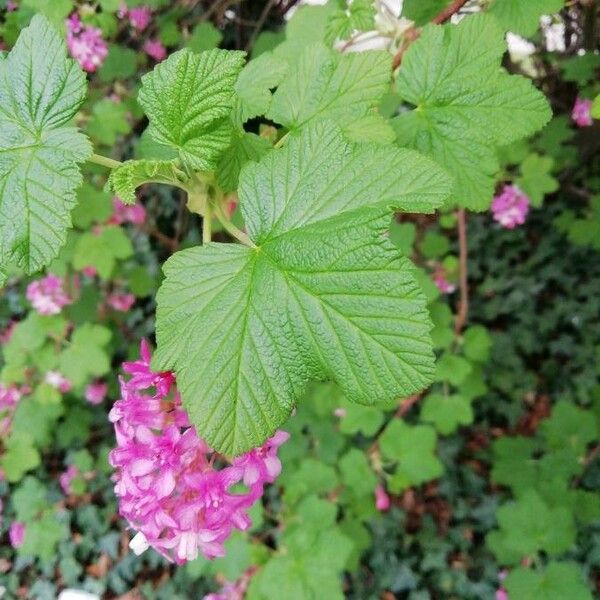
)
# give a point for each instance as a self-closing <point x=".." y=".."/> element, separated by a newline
<point x="413" y="448"/>
<point x="55" y="11"/>
<point x="29" y="499"/>
<point x="361" y="419"/>
<point x="328" y="85"/>
<point x="108" y="120"/>
<point x="86" y="356"/>
<point x="466" y="105"/>
<point x="595" y="112"/>
<point x="93" y="206"/>
<point x="20" y="456"/>
<point x="581" y="69"/>
<point x="569" y="427"/>
<point x="446" y="413"/>
<point x="348" y="307"/>
<point x="244" y="147"/>
<point x="42" y="537"/>
<point x="188" y="98"/>
<point x="102" y="250"/>
<point x="423" y="12"/>
<point x="254" y="85"/>
<point x="558" y="581"/>
<point x="477" y="343"/>
<point x="523" y="17"/>
<point x="124" y="180"/>
<point x="513" y="464"/>
<point x="452" y="368"/>
<point x="528" y="526"/>
<point x="350" y="16"/>
<point x="536" y="179"/>
<point x="205" y="36"/>
<point x="370" y="128"/>
<point x="40" y="92"/>
<point x="357" y="474"/>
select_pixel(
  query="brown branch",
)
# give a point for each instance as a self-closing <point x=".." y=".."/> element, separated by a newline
<point x="448" y="12"/>
<point x="412" y="34"/>
<point x="463" y="305"/>
<point x="259" y="24"/>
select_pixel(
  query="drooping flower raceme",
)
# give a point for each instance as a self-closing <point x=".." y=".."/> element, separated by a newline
<point x="47" y="295"/>
<point x="85" y="44"/>
<point x="155" y="50"/>
<point x="167" y="480"/>
<point x="582" y="112"/>
<point x="510" y="207"/>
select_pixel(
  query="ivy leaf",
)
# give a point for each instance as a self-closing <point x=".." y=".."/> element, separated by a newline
<point x="466" y="105"/>
<point x="329" y="85"/>
<point x="559" y="580"/>
<point x="413" y="448"/>
<point x="124" y="180"/>
<point x="536" y="179"/>
<point x="347" y="307"/>
<point x="528" y="526"/>
<point x="40" y="92"/>
<point x="523" y="17"/>
<point x="188" y="99"/>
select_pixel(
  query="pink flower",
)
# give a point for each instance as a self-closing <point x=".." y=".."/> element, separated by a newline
<point x="234" y="590"/>
<point x="58" y="380"/>
<point x="127" y="213"/>
<point x="442" y="284"/>
<point x="155" y="50"/>
<point x="340" y="412"/>
<point x="510" y="207"/>
<point x="121" y="302"/>
<point x="96" y="392"/>
<point x="16" y="534"/>
<point x="140" y="17"/>
<point x="6" y="334"/>
<point x="11" y="6"/>
<point x="382" y="500"/>
<point x="47" y="295"/>
<point x="501" y="594"/>
<point x="89" y="271"/>
<point x="85" y="44"/>
<point x="582" y="112"/>
<point x="66" y="478"/>
<point x="168" y="487"/>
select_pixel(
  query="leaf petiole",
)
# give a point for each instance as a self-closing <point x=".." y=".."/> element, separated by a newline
<point x="232" y="229"/>
<point x="207" y="224"/>
<point x="104" y="161"/>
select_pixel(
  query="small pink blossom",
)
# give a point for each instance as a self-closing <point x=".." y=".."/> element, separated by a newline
<point x="234" y="590"/>
<point x="442" y="284"/>
<point x="121" y="302"/>
<point x="382" y="500"/>
<point x="155" y="50"/>
<point x="6" y="334"/>
<point x="510" y="207"/>
<point x="166" y="479"/>
<point x="582" y="112"/>
<point x="85" y="44"/>
<point x="96" y="392"/>
<point x="58" y="380"/>
<point x="11" y="6"/>
<point x="501" y="594"/>
<point x="340" y="412"/>
<point x="127" y="213"/>
<point x="16" y="534"/>
<point x="66" y="478"/>
<point x="140" y="17"/>
<point x="47" y="295"/>
<point x="90" y="271"/>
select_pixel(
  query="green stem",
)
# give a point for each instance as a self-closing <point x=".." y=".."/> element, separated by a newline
<point x="232" y="230"/>
<point x="207" y="225"/>
<point x="104" y="161"/>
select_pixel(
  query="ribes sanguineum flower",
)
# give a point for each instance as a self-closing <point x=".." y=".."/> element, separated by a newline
<point x="96" y="392"/>
<point x="169" y="487"/>
<point x="16" y="534"/>
<point x="127" y="213"/>
<point x="58" y="380"/>
<point x="47" y="295"/>
<point x="510" y="207"/>
<point x="382" y="500"/>
<point x="120" y="302"/>
<point x="582" y="112"/>
<point x="140" y="17"/>
<point x="66" y="478"/>
<point x="155" y="50"/>
<point x="85" y="44"/>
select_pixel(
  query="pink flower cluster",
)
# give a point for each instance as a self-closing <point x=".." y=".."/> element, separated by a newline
<point x="582" y="112"/>
<point x="47" y="295"/>
<point x="167" y="482"/>
<point x="155" y="50"/>
<point x="85" y="44"/>
<point x="140" y="17"/>
<point x="234" y="590"/>
<point x="510" y="207"/>
<point x="9" y="398"/>
<point x="120" y="302"/>
<point x="127" y="213"/>
<point x="95" y="392"/>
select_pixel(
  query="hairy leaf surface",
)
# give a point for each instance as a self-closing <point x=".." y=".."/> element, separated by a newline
<point x="323" y="295"/>
<point x="40" y="92"/>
